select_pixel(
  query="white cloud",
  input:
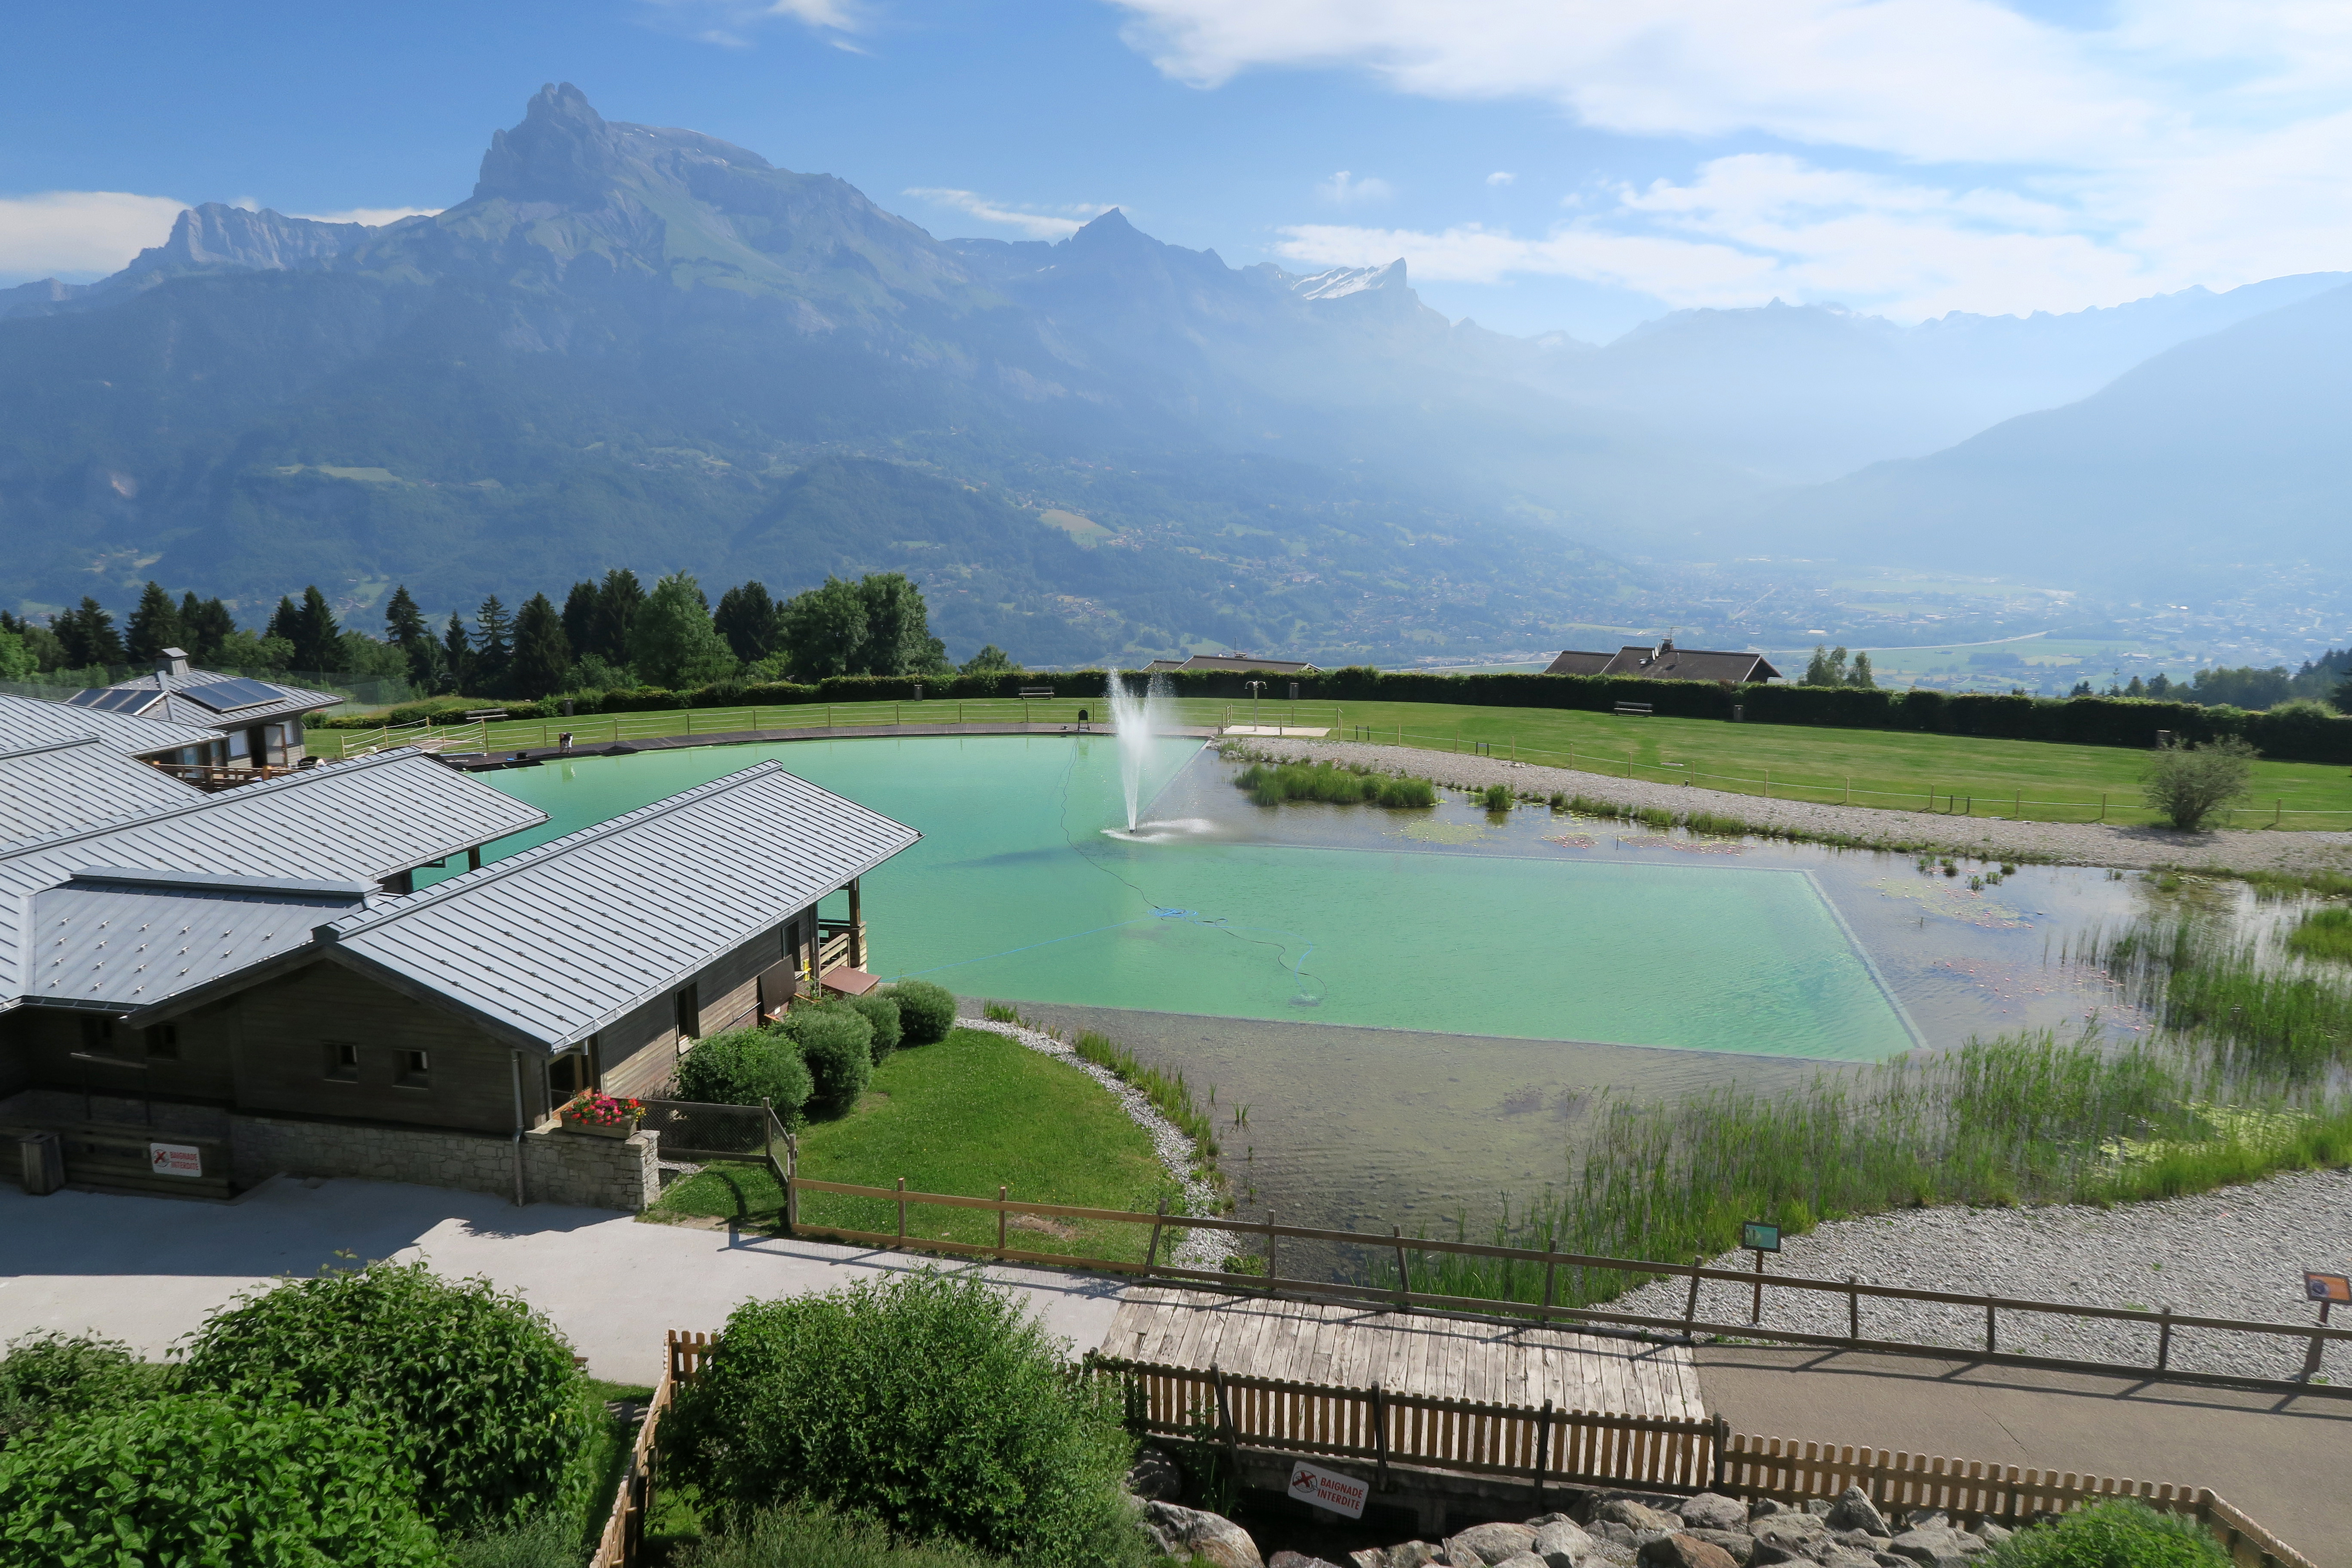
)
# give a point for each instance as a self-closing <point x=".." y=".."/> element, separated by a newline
<point x="738" y="19"/>
<point x="1344" y="189"/>
<point x="1502" y="177"/>
<point x="374" y="218"/>
<point x="81" y="231"/>
<point x="1036" y="223"/>
<point x="1951" y="153"/>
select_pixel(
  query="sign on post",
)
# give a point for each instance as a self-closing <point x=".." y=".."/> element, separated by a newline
<point x="176" y="1160"/>
<point x="1757" y="1237"/>
<point x="2328" y="1291"/>
<point x="1311" y="1483"/>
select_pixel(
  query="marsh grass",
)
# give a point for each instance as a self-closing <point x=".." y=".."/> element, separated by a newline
<point x="2325" y="932"/>
<point x="2239" y="1004"/>
<point x="2031" y="1119"/>
<point x="1271" y="783"/>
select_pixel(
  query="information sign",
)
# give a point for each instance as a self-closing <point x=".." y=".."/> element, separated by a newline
<point x="1311" y="1483"/>
<point x="175" y="1159"/>
<point x="1757" y="1237"/>
<point x="2335" y="1289"/>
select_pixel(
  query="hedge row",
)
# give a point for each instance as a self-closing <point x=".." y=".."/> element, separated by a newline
<point x="2297" y="734"/>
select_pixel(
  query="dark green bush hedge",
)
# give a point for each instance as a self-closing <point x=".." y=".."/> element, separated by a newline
<point x="927" y="1011"/>
<point x="837" y="1044"/>
<point x="743" y="1067"/>
<point x="880" y="1009"/>
<point x="204" y="1478"/>
<point x="932" y="1403"/>
<point x="476" y="1393"/>
<point x="2125" y="1533"/>
<point x="46" y="1376"/>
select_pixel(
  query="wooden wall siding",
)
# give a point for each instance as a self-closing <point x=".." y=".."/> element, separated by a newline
<point x="41" y="1042"/>
<point x="639" y="1053"/>
<point x="285" y="1024"/>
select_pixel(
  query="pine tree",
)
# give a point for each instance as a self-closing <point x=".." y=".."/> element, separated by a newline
<point x="282" y="620"/>
<point x="579" y="620"/>
<point x="404" y="623"/>
<point x="204" y="625"/>
<point x="617" y="603"/>
<point x="543" y="654"/>
<point x="493" y="644"/>
<point x="88" y="636"/>
<point x="317" y="638"/>
<point x="154" y="627"/>
<point x="458" y="654"/>
<point x="747" y="618"/>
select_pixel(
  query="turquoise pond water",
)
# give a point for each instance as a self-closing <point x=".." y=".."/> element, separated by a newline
<point x="1016" y="892"/>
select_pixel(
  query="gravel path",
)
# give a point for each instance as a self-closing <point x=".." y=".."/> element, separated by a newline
<point x="1199" y="1248"/>
<point x="2236" y="1253"/>
<point x="2065" y="843"/>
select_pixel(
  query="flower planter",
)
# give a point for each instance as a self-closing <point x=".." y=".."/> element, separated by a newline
<point x="602" y="1129"/>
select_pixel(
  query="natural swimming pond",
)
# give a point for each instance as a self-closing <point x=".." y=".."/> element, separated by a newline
<point x="1413" y="1003"/>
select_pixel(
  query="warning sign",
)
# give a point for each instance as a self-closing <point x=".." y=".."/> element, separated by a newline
<point x="175" y="1159"/>
<point x="1311" y="1483"/>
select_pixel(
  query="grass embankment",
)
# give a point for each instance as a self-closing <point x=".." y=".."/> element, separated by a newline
<point x="1957" y="773"/>
<point x="963" y="1117"/>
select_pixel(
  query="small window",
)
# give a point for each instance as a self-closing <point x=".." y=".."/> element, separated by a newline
<point x="567" y="1074"/>
<point x="342" y="1062"/>
<point x="689" y="1014"/>
<point x="163" y="1043"/>
<point x="97" y="1036"/>
<point x="414" y="1071"/>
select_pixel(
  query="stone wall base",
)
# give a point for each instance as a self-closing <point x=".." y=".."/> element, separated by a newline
<point x="558" y="1167"/>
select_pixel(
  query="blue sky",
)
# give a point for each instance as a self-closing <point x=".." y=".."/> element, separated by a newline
<point x="1571" y="164"/>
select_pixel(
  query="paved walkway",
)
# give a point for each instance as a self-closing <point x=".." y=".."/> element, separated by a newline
<point x="2281" y="1460"/>
<point x="149" y="1270"/>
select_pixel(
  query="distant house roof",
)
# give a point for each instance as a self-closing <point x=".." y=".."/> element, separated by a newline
<point x="57" y="786"/>
<point x="185" y="695"/>
<point x="550" y="944"/>
<point x="1668" y="662"/>
<point x="27" y="721"/>
<point x="355" y="822"/>
<point x="1235" y="663"/>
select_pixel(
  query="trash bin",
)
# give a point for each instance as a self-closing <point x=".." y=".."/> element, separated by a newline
<point x="44" y="1163"/>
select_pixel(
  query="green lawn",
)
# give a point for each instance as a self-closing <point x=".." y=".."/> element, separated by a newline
<point x="1880" y="768"/>
<point x="965" y="1116"/>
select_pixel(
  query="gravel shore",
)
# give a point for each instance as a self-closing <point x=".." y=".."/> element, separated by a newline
<point x="1198" y="1248"/>
<point x="2237" y="1253"/>
<point x="1991" y="839"/>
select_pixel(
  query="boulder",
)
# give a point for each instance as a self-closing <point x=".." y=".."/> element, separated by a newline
<point x="1186" y="1532"/>
<point x="1589" y="1507"/>
<point x="1543" y="1519"/>
<point x="1768" y="1508"/>
<point x="1712" y="1511"/>
<point x="1855" y="1511"/>
<point x="1609" y="1529"/>
<point x="1484" y="1544"/>
<point x="1738" y="1542"/>
<point x="1926" y="1518"/>
<point x="1682" y="1550"/>
<point x="1524" y="1560"/>
<point x="1562" y="1543"/>
<point x="1991" y="1534"/>
<point x="1609" y="1552"/>
<point x="1819" y="1507"/>
<point x="1154" y="1476"/>
<point x="1298" y="1560"/>
<point x="1634" y="1515"/>
<point x="1933" y="1548"/>
<point x="1411" y="1554"/>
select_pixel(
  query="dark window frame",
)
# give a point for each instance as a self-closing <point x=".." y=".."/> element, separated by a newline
<point x="162" y="1042"/>
<point x="688" y="1007"/>
<point x="412" y="1067"/>
<point x="342" y="1062"/>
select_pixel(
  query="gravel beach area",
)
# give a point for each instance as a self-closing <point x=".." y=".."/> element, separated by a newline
<point x="1994" y="838"/>
<point x="1198" y="1248"/>
<point x="2237" y="1253"/>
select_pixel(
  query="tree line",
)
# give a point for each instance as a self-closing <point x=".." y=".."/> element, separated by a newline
<point x="610" y="635"/>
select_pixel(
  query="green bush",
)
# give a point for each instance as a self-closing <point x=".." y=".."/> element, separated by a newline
<point x="46" y="1376"/>
<point x="880" y="1009"/>
<point x="2125" y="1533"/>
<point x="816" y="1537"/>
<point x="548" y="1539"/>
<point x="927" y="1011"/>
<point x="1407" y="792"/>
<point x="932" y="1403"/>
<point x="476" y="1393"/>
<point x="1498" y="798"/>
<point x="2186" y="784"/>
<point x="837" y="1044"/>
<point x="743" y="1067"/>
<point x="208" y="1478"/>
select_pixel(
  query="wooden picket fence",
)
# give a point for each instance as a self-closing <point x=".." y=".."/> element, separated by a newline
<point x="1400" y="1433"/>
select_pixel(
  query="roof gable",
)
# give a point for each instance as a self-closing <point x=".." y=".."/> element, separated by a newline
<point x="57" y="786"/>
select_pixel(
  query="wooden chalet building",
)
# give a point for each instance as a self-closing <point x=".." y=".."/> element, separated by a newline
<point x="249" y="723"/>
<point x="1668" y="662"/>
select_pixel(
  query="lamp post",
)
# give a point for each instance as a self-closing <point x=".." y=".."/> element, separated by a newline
<point x="1255" y="687"/>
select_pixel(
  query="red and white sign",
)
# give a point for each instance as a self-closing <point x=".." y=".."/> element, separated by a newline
<point x="1311" y="1483"/>
<point x="175" y="1159"/>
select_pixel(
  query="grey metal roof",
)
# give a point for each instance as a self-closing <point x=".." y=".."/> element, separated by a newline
<point x="26" y="720"/>
<point x="119" y="943"/>
<point x="56" y="786"/>
<point x="1234" y="664"/>
<point x="1574" y="662"/>
<point x="170" y="703"/>
<point x="553" y="944"/>
<point x="359" y="821"/>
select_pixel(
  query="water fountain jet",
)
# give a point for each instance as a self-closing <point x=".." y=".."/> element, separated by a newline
<point x="1136" y="718"/>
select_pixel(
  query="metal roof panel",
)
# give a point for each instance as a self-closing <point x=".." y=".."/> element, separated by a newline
<point x="59" y="785"/>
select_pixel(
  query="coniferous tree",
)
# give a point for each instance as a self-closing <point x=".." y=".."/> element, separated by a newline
<point x="318" y="640"/>
<point x="580" y="620"/>
<point x="204" y="625"/>
<point x="282" y="619"/>
<point x="747" y="618"/>
<point x="542" y="652"/>
<point x="493" y="644"/>
<point x="154" y="627"/>
<point x="617" y="603"/>
<point x="87" y="635"/>
<point x="405" y="626"/>
<point x="458" y="654"/>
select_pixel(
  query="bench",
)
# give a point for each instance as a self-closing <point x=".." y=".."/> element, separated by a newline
<point x="492" y="714"/>
<point x="1640" y="709"/>
<point x="1031" y="693"/>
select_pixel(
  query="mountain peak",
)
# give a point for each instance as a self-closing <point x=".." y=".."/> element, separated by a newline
<point x="562" y="150"/>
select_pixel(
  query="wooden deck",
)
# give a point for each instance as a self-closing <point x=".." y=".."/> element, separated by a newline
<point x="1444" y="1358"/>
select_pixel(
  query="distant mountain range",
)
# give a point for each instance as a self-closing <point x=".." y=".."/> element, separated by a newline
<point x="636" y="345"/>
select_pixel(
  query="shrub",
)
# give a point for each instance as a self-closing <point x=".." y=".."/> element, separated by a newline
<point x="932" y="1403"/>
<point x="2186" y="784"/>
<point x="1498" y="798"/>
<point x="818" y="1538"/>
<point x="475" y="1392"/>
<point x="743" y="1067"/>
<point x="927" y="1011"/>
<point x="1408" y="792"/>
<point x="46" y="1376"/>
<point x="838" y="1047"/>
<point x="880" y="1009"/>
<point x="2125" y="1533"/>
<point x="211" y="1479"/>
